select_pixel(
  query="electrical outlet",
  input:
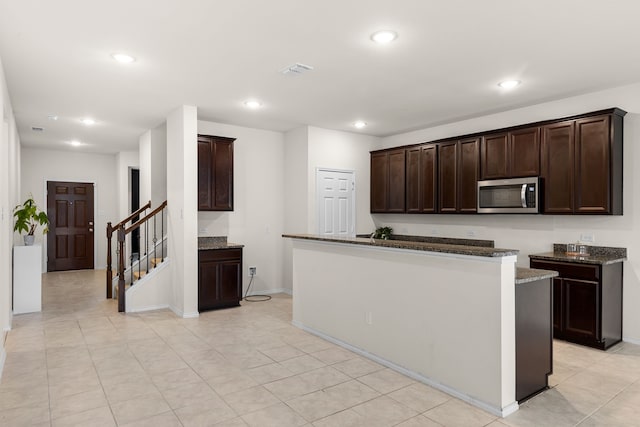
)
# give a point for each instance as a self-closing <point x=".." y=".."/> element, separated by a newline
<point x="368" y="318"/>
<point x="587" y="238"/>
<point x="252" y="271"/>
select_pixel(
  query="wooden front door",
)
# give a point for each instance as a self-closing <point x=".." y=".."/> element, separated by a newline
<point x="71" y="226"/>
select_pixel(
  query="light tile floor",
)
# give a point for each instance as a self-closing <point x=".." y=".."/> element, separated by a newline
<point x="80" y="363"/>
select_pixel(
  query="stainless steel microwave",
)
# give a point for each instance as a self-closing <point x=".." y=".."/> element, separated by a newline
<point x="516" y="195"/>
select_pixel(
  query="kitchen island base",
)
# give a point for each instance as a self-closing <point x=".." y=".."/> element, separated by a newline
<point x="445" y="319"/>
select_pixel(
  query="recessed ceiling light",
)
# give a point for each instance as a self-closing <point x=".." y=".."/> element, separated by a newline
<point x="509" y="84"/>
<point x="123" y="58"/>
<point x="359" y="124"/>
<point x="75" y="143"/>
<point x="252" y="104"/>
<point x="52" y="117"/>
<point x="88" y="121"/>
<point x="384" y="36"/>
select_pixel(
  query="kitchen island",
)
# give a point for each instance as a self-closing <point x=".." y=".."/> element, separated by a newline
<point x="442" y="314"/>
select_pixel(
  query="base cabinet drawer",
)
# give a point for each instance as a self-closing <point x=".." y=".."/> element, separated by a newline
<point x="219" y="279"/>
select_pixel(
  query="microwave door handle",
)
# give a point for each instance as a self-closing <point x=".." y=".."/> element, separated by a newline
<point x="523" y="195"/>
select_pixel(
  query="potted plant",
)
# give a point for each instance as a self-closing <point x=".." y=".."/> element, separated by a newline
<point x="28" y="218"/>
<point x="383" y="233"/>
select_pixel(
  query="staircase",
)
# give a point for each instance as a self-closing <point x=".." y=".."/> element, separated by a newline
<point x="152" y="243"/>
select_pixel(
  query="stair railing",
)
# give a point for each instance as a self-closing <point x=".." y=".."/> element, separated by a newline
<point x="122" y="233"/>
<point x="110" y="230"/>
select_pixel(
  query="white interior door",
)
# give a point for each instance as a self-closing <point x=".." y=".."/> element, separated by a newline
<point x="335" y="191"/>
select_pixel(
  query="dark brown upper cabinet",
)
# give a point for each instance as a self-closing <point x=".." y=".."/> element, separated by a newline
<point x="215" y="173"/>
<point x="448" y="177"/>
<point x="510" y="154"/>
<point x="422" y="178"/>
<point x="458" y="175"/>
<point x="582" y="165"/>
<point x="468" y="174"/>
<point x="388" y="181"/>
<point x="579" y="161"/>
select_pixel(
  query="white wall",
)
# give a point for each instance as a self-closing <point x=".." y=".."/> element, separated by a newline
<point x="158" y="165"/>
<point x="10" y="154"/>
<point x="144" y="160"/>
<point x="257" y="218"/>
<point x="296" y="205"/>
<point x="529" y="233"/>
<point x="182" y="209"/>
<point x="40" y="166"/>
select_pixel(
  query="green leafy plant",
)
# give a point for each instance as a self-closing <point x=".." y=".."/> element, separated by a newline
<point x="28" y="218"/>
<point x="383" y="233"/>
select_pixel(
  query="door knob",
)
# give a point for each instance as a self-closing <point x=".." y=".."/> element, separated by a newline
<point x="91" y="230"/>
<point x="90" y="222"/>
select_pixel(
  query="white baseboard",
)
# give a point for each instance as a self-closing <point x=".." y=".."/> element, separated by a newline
<point x="273" y="291"/>
<point x="631" y="340"/>
<point x="500" y="412"/>
<point x="149" y="308"/>
<point x="191" y="315"/>
<point x="3" y="358"/>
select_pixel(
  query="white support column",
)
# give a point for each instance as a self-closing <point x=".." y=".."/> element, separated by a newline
<point x="182" y="204"/>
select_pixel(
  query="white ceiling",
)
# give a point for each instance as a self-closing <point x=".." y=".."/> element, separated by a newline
<point x="215" y="54"/>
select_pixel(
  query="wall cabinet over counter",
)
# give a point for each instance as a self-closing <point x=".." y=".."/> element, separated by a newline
<point x="578" y="160"/>
<point x="388" y="181"/>
<point x="215" y="173"/>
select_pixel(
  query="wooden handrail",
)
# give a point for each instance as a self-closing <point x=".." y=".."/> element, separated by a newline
<point x="146" y="218"/>
<point x="121" y="231"/>
<point x="133" y="215"/>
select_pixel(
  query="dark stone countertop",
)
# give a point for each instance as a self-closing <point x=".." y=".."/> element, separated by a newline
<point x="416" y="246"/>
<point x="596" y="255"/>
<point x="526" y="275"/>
<point x="216" y="242"/>
<point x="434" y="239"/>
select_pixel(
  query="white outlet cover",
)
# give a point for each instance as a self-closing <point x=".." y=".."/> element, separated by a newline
<point x="587" y="238"/>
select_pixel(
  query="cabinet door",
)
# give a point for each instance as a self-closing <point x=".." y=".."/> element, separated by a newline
<point x="448" y="177"/>
<point x="592" y="165"/>
<point x="379" y="182"/>
<point x="413" y="180"/>
<point x="494" y="156"/>
<point x="396" y="181"/>
<point x="581" y="314"/>
<point x="428" y="178"/>
<point x="205" y="167"/>
<point x="215" y="173"/>
<point x="524" y="152"/>
<point x="229" y="283"/>
<point x="223" y="175"/>
<point x="207" y="285"/>
<point x="468" y="173"/>
<point x="557" y="307"/>
<point x="557" y="167"/>
<point x="421" y="179"/>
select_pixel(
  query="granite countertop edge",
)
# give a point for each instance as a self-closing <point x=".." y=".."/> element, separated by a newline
<point x="417" y="246"/>
<point x="207" y="243"/>
<point x="591" y="259"/>
<point x="215" y="246"/>
<point x="527" y="275"/>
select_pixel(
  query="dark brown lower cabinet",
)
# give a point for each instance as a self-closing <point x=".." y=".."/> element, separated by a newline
<point x="534" y="360"/>
<point x="587" y="306"/>
<point x="219" y="278"/>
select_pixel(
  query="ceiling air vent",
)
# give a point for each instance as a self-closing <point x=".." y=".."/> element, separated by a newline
<point x="37" y="129"/>
<point x="295" y="69"/>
